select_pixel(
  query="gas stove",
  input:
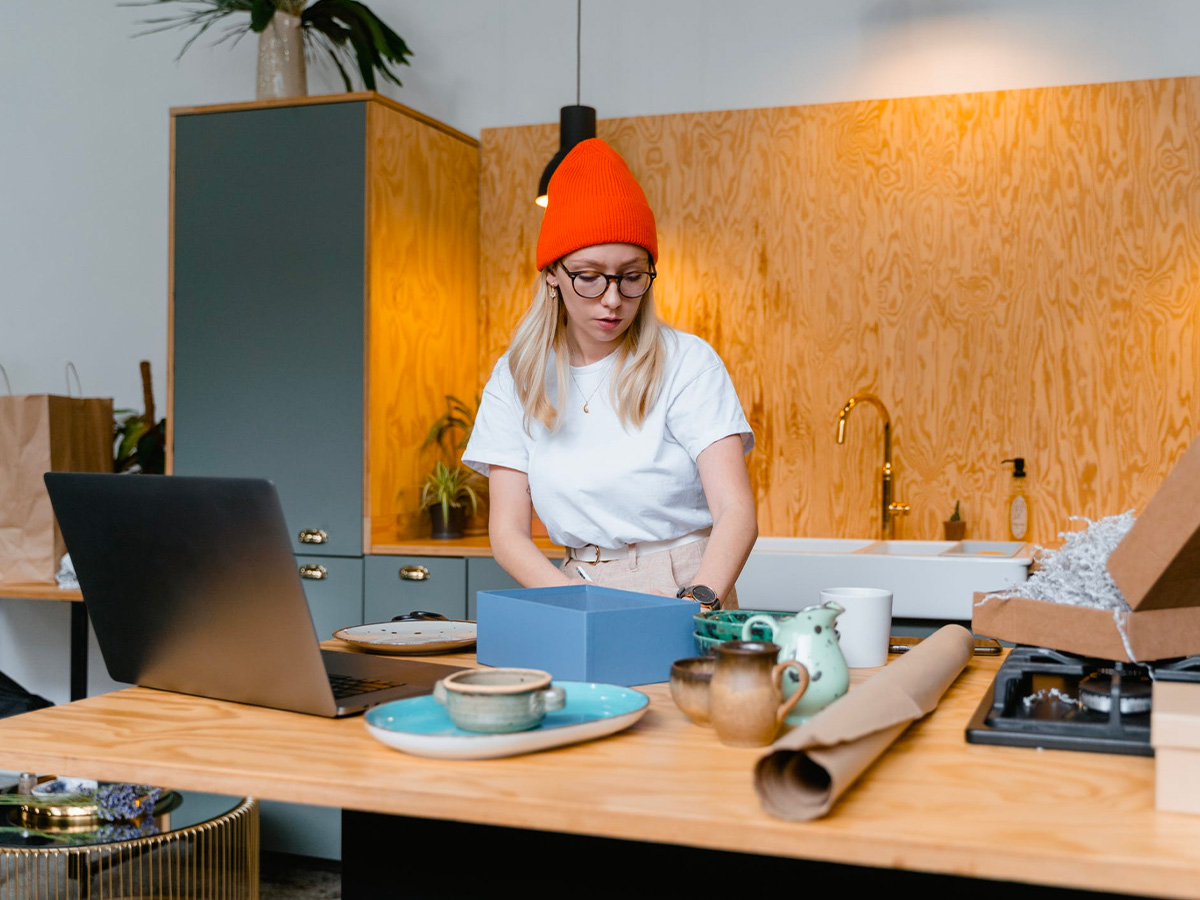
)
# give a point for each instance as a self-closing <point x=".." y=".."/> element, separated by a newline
<point x="1060" y="701"/>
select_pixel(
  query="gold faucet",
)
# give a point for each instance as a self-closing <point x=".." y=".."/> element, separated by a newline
<point x="890" y="506"/>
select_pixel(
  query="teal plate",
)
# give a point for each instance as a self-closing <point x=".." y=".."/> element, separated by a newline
<point x="421" y="727"/>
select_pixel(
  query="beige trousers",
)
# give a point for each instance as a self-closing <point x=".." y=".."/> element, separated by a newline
<point x="664" y="572"/>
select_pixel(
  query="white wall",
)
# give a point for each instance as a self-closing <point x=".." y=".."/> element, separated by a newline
<point x="84" y="113"/>
<point x="84" y="128"/>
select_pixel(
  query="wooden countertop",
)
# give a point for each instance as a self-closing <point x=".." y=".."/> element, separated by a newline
<point x="476" y="546"/>
<point x="933" y="802"/>
<point x="38" y="591"/>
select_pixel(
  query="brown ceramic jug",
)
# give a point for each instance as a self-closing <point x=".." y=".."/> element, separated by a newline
<point x="747" y="703"/>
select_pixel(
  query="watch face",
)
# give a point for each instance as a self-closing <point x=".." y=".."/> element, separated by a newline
<point x="705" y="595"/>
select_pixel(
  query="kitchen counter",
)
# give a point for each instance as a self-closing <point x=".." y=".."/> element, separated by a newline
<point x="932" y="803"/>
<point x="385" y="544"/>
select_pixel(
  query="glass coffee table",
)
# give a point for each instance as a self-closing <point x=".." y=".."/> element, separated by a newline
<point x="195" y="845"/>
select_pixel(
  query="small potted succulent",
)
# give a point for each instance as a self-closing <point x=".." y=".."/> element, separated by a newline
<point x="955" y="527"/>
<point x="446" y="493"/>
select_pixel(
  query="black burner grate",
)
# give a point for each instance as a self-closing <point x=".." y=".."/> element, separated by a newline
<point x="1034" y="701"/>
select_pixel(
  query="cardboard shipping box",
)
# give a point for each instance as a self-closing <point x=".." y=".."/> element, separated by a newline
<point x="1175" y="736"/>
<point x="1157" y="568"/>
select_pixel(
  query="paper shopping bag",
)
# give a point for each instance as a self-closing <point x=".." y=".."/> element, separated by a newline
<point x="42" y="433"/>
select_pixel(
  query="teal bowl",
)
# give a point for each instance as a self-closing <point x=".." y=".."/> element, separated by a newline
<point x="726" y="624"/>
<point x="706" y="646"/>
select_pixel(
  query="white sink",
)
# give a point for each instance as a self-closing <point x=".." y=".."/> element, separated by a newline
<point x="928" y="579"/>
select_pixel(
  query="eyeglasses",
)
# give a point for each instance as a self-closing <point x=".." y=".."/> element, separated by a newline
<point x="630" y="285"/>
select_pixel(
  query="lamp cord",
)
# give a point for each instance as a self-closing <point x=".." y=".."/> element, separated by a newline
<point x="578" y="45"/>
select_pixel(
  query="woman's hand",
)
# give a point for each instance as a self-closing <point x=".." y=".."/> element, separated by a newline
<point x="509" y="523"/>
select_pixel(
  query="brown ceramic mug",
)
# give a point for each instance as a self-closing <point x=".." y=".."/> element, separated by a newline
<point x="746" y="700"/>
<point x="691" y="681"/>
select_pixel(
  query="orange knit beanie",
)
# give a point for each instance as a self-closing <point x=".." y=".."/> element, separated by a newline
<point x="594" y="199"/>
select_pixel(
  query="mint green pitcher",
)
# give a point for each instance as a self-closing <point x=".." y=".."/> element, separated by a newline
<point x="808" y="637"/>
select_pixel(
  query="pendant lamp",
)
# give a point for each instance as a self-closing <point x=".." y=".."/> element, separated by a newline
<point x="576" y="123"/>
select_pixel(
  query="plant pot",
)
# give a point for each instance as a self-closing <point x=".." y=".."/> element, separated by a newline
<point x="451" y="528"/>
<point x="955" y="530"/>
<point x="281" y="71"/>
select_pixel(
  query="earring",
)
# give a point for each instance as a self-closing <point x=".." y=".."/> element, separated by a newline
<point x="553" y="293"/>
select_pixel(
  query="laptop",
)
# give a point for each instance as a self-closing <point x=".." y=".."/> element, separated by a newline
<point x="191" y="586"/>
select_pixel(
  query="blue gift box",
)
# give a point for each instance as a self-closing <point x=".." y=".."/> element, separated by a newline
<point x="585" y="633"/>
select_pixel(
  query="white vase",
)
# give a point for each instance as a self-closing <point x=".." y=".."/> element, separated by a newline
<point x="281" y="58"/>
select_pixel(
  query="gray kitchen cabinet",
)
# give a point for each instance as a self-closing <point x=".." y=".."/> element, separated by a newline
<point x="394" y="585"/>
<point x="267" y="347"/>
<point x="485" y="574"/>
<point x="303" y="236"/>
<point x="324" y="262"/>
<point x="267" y="356"/>
<point x="333" y="586"/>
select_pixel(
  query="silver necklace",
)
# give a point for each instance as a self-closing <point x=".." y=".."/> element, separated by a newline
<point x="588" y="398"/>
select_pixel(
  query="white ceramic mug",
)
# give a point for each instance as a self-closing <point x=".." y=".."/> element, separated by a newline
<point x="864" y="628"/>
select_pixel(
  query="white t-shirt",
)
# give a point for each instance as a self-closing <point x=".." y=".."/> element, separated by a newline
<point x="592" y="480"/>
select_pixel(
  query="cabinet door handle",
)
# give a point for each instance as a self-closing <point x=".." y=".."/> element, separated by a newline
<point x="314" y="573"/>
<point x="313" y="536"/>
<point x="414" y="573"/>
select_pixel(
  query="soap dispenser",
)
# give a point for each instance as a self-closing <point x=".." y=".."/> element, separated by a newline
<point x="1018" y="503"/>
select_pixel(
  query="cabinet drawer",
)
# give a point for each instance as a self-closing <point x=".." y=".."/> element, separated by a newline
<point x="485" y="574"/>
<point x="333" y="586"/>
<point x="401" y="584"/>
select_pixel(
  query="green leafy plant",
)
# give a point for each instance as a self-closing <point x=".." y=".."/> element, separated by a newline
<point x="448" y="486"/>
<point x="458" y="417"/>
<point x="954" y="516"/>
<point x="140" y="442"/>
<point x="345" y="31"/>
<point x="139" y="446"/>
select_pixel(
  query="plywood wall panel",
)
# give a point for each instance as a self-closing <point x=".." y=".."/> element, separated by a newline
<point x="1014" y="273"/>
<point x="422" y="330"/>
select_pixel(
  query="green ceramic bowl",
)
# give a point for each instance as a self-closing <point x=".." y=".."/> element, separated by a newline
<point x="706" y="646"/>
<point x="726" y="624"/>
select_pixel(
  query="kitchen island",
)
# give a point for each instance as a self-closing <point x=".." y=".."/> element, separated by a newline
<point x="933" y="803"/>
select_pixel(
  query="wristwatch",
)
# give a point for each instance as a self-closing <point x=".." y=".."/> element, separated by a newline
<point x="702" y="594"/>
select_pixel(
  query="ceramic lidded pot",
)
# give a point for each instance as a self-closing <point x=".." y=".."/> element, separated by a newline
<point x="496" y="701"/>
<point x="809" y="637"/>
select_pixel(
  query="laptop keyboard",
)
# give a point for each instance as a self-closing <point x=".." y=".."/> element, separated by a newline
<point x="348" y="686"/>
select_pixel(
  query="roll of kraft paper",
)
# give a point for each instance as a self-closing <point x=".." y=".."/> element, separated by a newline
<point x="806" y="770"/>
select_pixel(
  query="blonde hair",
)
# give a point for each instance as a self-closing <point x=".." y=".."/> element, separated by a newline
<point x="640" y="361"/>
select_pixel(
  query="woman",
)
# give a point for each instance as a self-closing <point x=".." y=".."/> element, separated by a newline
<point x="626" y="435"/>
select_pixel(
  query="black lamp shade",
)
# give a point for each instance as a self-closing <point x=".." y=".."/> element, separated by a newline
<point x="575" y="124"/>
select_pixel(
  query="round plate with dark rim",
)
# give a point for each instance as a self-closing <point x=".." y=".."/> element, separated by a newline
<point x="411" y="638"/>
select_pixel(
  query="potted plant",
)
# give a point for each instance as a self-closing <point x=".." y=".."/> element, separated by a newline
<point x="955" y="527"/>
<point x="449" y="433"/>
<point x="346" y="32"/>
<point x="140" y="441"/>
<point x="458" y="417"/>
<point x="446" y="493"/>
